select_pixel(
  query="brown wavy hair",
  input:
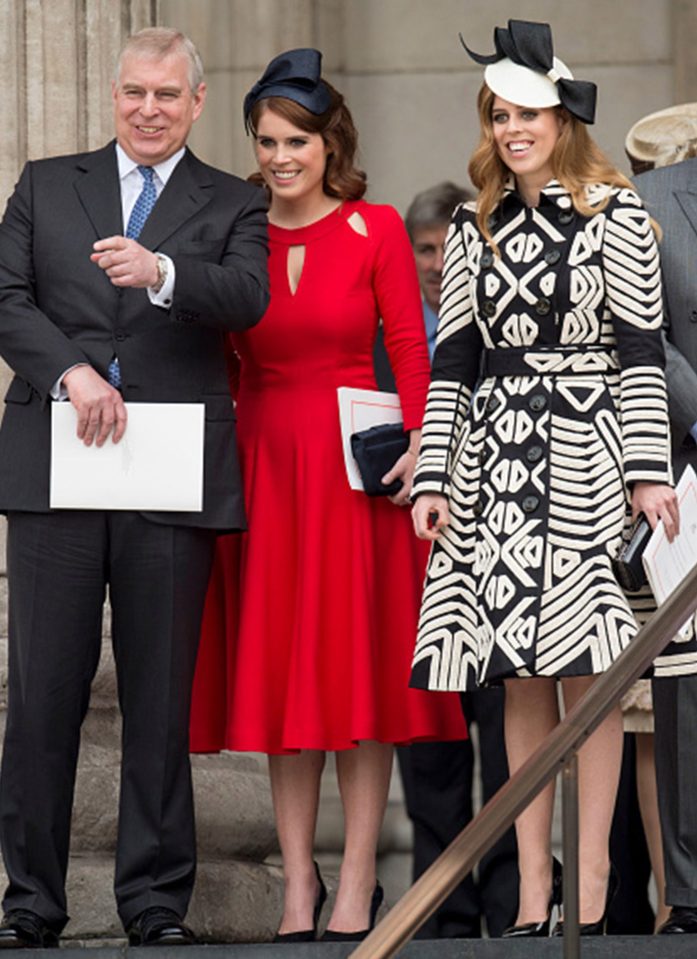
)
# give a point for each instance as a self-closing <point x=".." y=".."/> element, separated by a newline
<point x="342" y="178"/>
<point x="577" y="161"/>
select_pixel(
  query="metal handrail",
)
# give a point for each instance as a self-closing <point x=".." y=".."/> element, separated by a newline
<point x="439" y="880"/>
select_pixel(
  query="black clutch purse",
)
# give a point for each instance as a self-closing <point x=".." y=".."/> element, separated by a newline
<point x="628" y="567"/>
<point x="376" y="450"/>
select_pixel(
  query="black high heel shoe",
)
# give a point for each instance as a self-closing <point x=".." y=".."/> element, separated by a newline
<point x="307" y="935"/>
<point x="596" y="928"/>
<point x="540" y="929"/>
<point x="330" y="935"/>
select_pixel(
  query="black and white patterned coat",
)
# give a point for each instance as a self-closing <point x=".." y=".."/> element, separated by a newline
<point x="547" y="402"/>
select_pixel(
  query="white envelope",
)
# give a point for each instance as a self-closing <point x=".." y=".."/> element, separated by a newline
<point x="158" y="465"/>
<point x="359" y="410"/>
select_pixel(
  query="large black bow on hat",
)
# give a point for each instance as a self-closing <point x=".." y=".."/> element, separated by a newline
<point x="529" y="44"/>
<point x="295" y="75"/>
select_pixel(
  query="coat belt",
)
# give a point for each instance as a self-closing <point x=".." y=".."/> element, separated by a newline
<point x="576" y="360"/>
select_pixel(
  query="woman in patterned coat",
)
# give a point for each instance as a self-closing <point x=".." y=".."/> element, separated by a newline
<point x="546" y="430"/>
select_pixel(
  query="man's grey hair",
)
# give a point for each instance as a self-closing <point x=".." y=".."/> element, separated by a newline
<point x="159" y="42"/>
<point x="434" y="207"/>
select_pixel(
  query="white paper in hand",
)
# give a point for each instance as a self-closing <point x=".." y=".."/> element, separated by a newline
<point x="667" y="564"/>
<point x="158" y="465"/>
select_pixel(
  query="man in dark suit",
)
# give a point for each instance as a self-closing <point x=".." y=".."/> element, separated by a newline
<point x="670" y="194"/>
<point x="120" y="272"/>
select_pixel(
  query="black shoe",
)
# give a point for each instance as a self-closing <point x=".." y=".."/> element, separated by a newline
<point x="23" y="929"/>
<point x="307" y="935"/>
<point x="331" y="935"/>
<point x="531" y="929"/>
<point x="159" y="926"/>
<point x="682" y="919"/>
<point x="596" y="928"/>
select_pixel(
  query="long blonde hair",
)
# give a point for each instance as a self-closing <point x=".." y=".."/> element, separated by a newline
<point x="577" y="161"/>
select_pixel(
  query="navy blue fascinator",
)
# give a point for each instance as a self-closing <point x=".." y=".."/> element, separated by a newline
<point x="295" y="75"/>
<point x="524" y="71"/>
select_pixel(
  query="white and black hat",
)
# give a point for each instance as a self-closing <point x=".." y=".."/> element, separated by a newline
<point x="525" y="71"/>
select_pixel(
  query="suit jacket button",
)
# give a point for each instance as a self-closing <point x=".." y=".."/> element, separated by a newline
<point x="482" y="457"/>
<point x="530" y="504"/>
<point x="492" y="404"/>
<point x="486" y="259"/>
<point x="489" y="308"/>
<point x="565" y="216"/>
<point x="533" y="454"/>
<point x="478" y="508"/>
<point x="120" y="336"/>
<point x="543" y="306"/>
<point x="552" y="257"/>
<point x="537" y="402"/>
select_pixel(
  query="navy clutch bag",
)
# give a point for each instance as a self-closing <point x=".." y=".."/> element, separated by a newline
<point x="376" y="450"/>
<point x="628" y="567"/>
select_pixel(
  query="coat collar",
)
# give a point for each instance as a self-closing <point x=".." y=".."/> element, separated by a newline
<point x="188" y="190"/>
<point x="553" y="194"/>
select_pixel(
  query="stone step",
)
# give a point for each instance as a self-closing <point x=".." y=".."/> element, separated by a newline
<point x="602" y="947"/>
<point x="233" y="900"/>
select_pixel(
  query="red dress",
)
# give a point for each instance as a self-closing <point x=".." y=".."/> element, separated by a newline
<point x="311" y="616"/>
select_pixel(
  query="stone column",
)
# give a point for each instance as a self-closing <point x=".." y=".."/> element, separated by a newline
<point x="685" y="42"/>
<point x="56" y="62"/>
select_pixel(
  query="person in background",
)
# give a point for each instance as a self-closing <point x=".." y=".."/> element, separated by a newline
<point x="438" y="778"/>
<point x="120" y="272"/>
<point x="328" y="580"/>
<point x="546" y="430"/>
<point x="667" y="141"/>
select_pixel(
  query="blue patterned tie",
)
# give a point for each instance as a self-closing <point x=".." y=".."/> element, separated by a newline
<point x="143" y="205"/>
<point x="139" y="214"/>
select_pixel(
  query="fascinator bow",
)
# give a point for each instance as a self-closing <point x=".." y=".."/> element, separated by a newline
<point x="295" y="75"/>
<point x="529" y="44"/>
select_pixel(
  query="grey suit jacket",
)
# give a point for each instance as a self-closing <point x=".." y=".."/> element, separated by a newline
<point x="670" y="195"/>
<point x="58" y="309"/>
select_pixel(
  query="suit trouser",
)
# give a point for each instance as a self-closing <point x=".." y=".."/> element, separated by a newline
<point x="675" y="714"/>
<point x="58" y="567"/>
<point x="438" y="786"/>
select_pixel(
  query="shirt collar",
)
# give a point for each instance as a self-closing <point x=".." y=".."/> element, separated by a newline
<point x="164" y="170"/>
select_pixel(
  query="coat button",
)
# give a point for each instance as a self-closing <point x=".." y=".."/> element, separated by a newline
<point x="486" y="260"/>
<point x="533" y="454"/>
<point x="492" y="404"/>
<point x="482" y="457"/>
<point x="565" y="216"/>
<point x="552" y="257"/>
<point x="478" y="508"/>
<point x="543" y="306"/>
<point x="120" y="336"/>
<point x="489" y="308"/>
<point x="530" y="504"/>
<point x="537" y="402"/>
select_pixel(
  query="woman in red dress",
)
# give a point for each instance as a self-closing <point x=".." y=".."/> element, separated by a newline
<point x="325" y="599"/>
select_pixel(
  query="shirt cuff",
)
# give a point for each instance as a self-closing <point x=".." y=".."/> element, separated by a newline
<point x="165" y="294"/>
<point x="58" y="392"/>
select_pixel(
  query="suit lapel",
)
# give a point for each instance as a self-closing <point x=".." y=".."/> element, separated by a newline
<point x="688" y="204"/>
<point x="188" y="190"/>
<point x="98" y="190"/>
